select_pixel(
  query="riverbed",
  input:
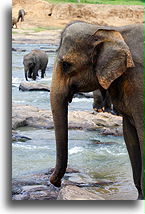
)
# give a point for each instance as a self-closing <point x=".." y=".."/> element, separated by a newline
<point x="107" y="161"/>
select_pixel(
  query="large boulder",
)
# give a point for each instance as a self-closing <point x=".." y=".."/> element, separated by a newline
<point x="71" y="192"/>
<point x="41" y="118"/>
<point x="33" y="86"/>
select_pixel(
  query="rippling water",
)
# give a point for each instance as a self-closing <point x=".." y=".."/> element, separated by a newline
<point x="96" y="162"/>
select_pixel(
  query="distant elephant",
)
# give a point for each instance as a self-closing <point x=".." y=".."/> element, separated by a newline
<point x="102" y="101"/>
<point x="33" y="62"/>
<point x="91" y="57"/>
<point x="14" y="22"/>
<point x="21" y="15"/>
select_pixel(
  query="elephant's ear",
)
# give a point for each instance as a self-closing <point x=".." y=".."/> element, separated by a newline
<point x="111" y="56"/>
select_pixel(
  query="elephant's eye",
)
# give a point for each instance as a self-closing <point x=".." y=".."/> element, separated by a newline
<point x="66" y="66"/>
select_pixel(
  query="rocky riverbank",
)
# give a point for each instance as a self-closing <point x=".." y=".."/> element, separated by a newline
<point x="38" y="187"/>
<point x="105" y="123"/>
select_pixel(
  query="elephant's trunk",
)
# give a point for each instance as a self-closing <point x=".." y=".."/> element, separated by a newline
<point x="59" y="107"/>
<point x="26" y="72"/>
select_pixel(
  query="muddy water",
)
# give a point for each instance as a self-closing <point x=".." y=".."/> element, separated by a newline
<point x="107" y="162"/>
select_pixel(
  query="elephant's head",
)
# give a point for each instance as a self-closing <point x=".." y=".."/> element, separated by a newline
<point x="89" y="57"/>
<point x="29" y="64"/>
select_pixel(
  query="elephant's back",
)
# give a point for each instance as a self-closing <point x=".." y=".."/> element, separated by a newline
<point x="40" y="53"/>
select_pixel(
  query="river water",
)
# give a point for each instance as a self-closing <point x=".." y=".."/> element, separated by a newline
<point x="107" y="162"/>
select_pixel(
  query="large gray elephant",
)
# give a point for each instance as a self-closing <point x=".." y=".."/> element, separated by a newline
<point x="33" y="62"/>
<point x="91" y="57"/>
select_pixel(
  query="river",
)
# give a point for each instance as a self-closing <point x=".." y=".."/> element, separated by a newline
<point x="107" y="162"/>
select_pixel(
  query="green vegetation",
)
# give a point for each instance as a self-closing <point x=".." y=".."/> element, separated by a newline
<point x="39" y="29"/>
<point x="115" y="2"/>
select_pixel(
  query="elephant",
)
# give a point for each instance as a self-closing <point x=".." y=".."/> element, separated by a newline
<point x="33" y="62"/>
<point x="102" y="101"/>
<point x="14" y="22"/>
<point x="21" y="14"/>
<point x="92" y="57"/>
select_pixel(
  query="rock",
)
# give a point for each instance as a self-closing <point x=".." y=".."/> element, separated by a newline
<point x="40" y="118"/>
<point x="37" y="187"/>
<point x="20" y="197"/>
<point x="29" y="86"/>
<point x="17" y="137"/>
<point x="105" y="119"/>
<point x="112" y="131"/>
<point x="18" y="50"/>
<point x="98" y="142"/>
<point x="33" y="188"/>
<point x="75" y="193"/>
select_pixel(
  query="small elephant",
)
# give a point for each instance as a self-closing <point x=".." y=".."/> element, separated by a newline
<point x="102" y="101"/>
<point x="14" y="22"/>
<point x="90" y="57"/>
<point x="21" y="15"/>
<point x="33" y="62"/>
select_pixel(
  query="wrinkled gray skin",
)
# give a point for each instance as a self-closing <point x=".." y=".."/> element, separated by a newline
<point x="21" y="15"/>
<point x="33" y="62"/>
<point x="92" y="57"/>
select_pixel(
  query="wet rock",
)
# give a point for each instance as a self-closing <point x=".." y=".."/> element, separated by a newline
<point x="37" y="187"/>
<point x="40" y="118"/>
<point x="75" y="193"/>
<point x="18" y="50"/>
<point x="33" y="188"/>
<point x="112" y="131"/>
<point x="20" y="197"/>
<point x="17" y="137"/>
<point x="98" y="142"/>
<point x="29" y="86"/>
<point x="42" y="195"/>
<point x="16" y="190"/>
<point x="104" y="119"/>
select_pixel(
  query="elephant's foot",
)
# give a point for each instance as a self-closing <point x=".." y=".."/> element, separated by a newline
<point x="98" y="109"/>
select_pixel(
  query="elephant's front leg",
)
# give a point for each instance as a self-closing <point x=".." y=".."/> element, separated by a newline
<point x="133" y="147"/>
<point x="35" y="74"/>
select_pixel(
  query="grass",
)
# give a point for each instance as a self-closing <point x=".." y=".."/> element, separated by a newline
<point x="36" y="30"/>
<point x="114" y="2"/>
<point x="39" y="29"/>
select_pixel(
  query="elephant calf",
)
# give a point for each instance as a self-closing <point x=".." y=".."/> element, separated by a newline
<point x="14" y="22"/>
<point x="102" y="102"/>
<point x="33" y="62"/>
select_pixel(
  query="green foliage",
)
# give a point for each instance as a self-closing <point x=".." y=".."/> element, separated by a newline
<point x="115" y="2"/>
<point x="39" y="29"/>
